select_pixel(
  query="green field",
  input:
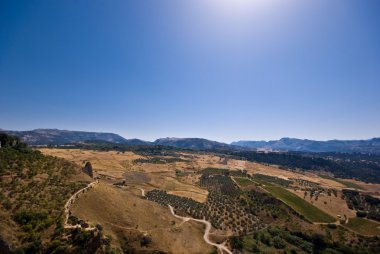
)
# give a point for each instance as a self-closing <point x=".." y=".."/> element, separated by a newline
<point x="265" y="179"/>
<point x="260" y="181"/>
<point x="363" y="226"/>
<point x="243" y="181"/>
<point x="304" y="208"/>
<point x="345" y="183"/>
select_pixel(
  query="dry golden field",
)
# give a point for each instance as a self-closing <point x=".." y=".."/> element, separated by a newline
<point x="123" y="213"/>
<point x="116" y="164"/>
<point x="330" y="204"/>
<point x="111" y="163"/>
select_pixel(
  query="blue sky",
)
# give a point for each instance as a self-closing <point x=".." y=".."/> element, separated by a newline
<point x="218" y="69"/>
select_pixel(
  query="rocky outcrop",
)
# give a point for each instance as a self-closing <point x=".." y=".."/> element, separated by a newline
<point x="88" y="169"/>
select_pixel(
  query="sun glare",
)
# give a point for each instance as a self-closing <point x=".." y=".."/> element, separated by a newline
<point x="243" y="6"/>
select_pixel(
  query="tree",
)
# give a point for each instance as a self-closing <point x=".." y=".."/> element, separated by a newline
<point x="361" y="214"/>
<point x="278" y="242"/>
<point x="236" y="242"/>
<point x="145" y="240"/>
<point x="319" y="242"/>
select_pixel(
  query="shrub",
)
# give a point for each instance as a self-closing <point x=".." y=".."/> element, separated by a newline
<point x="236" y="243"/>
<point x="255" y="249"/>
<point x="7" y="204"/>
<point x="30" y="220"/>
<point x="361" y="214"/>
<point x="145" y="240"/>
<point x="266" y="238"/>
<point x="278" y="242"/>
<point x="80" y="237"/>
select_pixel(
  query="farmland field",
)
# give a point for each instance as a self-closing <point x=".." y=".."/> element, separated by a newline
<point x="243" y="181"/>
<point x="345" y="183"/>
<point x="189" y="127"/>
<point x="298" y="204"/>
<point x="363" y="226"/>
<point x="124" y="215"/>
<point x="233" y="199"/>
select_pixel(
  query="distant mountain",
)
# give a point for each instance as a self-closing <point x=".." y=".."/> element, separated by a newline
<point x="137" y="142"/>
<point x="193" y="143"/>
<point x="62" y="137"/>
<point x="305" y="145"/>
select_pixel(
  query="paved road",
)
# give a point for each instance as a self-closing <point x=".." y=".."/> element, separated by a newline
<point x="221" y="247"/>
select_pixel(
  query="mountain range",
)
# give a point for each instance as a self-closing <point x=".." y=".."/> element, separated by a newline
<point x="64" y="137"/>
<point x="306" y="145"/>
<point x="193" y="143"/>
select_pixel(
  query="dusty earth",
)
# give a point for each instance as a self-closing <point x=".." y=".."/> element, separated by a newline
<point x="125" y="215"/>
<point x="330" y="204"/>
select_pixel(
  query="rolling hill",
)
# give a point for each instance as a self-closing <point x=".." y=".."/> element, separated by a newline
<point x="62" y="137"/>
<point x="305" y="145"/>
<point x="193" y="143"/>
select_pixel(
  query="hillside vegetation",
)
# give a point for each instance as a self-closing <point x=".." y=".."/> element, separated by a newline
<point x="235" y="201"/>
<point x="33" y="192"/>
<point x="364" y="167"/>
<point x="358" y="166"/>
<point x="259" y="222"/>
<point x="311" y="212"/>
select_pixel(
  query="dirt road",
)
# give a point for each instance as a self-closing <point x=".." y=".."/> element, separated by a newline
<point x="70" y="202"/>
<point x="221" y="247"/>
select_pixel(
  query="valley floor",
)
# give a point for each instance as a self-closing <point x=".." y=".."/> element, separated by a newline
<point x="119" y="205"/>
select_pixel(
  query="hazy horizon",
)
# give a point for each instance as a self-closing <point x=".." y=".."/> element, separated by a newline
<point x="151" y="140"/>
<point x="221" y="70"/>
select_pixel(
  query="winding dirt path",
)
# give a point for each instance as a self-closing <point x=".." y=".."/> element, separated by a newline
<point x="142" y="192"/>
<point x="70" y="202"/>
<point x="221" y="247"/>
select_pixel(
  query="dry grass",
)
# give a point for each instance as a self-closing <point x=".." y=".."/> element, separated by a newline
<point x="330" y="204"/>
<point x="7" y="228"/>
<point x="191" y="179"/>
<point x="364" y="226"/>
<point x="370" y="188"/>
<point x="110" y="163"/>
<point x="299" y="204"/>
<point x="165" y="181"/>
<point x="255" y="168"/>
<point x="123" y="211"/>
<point x="115" y="164"/>
<point x="120" y="217"/>
<point x="200" y="197"/>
